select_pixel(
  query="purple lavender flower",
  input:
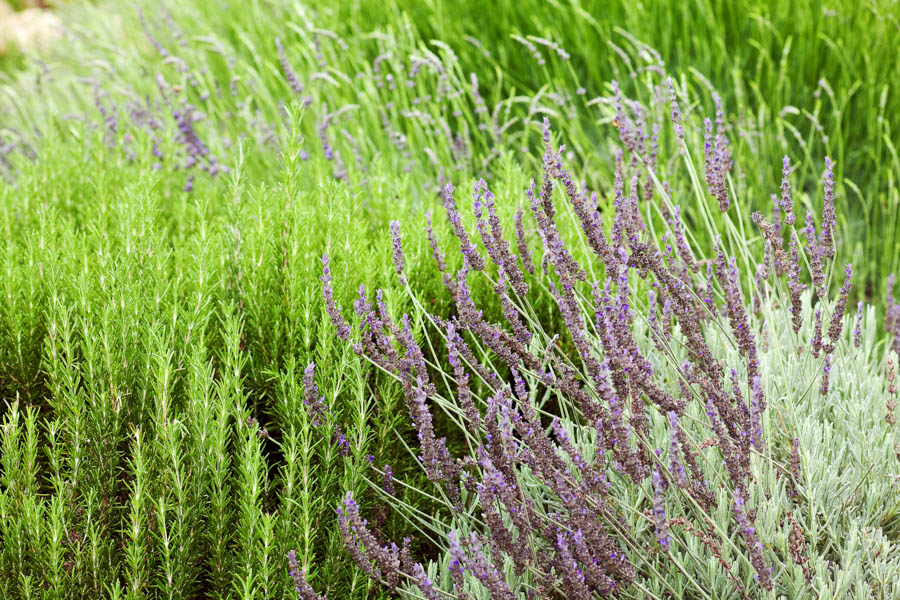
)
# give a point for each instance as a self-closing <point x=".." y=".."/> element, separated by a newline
<point x="522" y="243"/>
<point x="829" y="219"/>
<point x="708" y="156"/>
<point x="399" y="262"/>
<point x="377" y="561"/>
<point x="757" y="406"/>
<point x="470" y="252"/>
<point x="322" y="130"/>
<point x="737" y="315"/>
<point x="659" y="512"/>
<point x="837" y="317"/>
<point x="787" y="204"/>
<point x="795" y="286"/>
<point x="287" y="70"/>
<point x="754" y="546"/>
<point x="340" y="325"/>
<point x="388" y="480"/>
<point x="424" y="583"/>
<point x="304" y="590"/>
<point x="676" y="111"/>
<point x="776" y="215"/>
<point x="484" y="570"/>
<point x="857" y="329"/>
<point x="816" y="255"/>
<point x="892" y="315"/>
<point x="676" y="467"/>
<point x="717" y="164"/>
<point x="826" y="375"/>
<point x="187" y="135"/>
<point x="153" y="41"/>
<point x="457" y="562"/>
<point x="313" y="402"/>
<point x="574" y="582"/>
<point x="816" y="344"/>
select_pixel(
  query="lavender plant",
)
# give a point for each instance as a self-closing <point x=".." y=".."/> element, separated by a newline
<point x="598" y="446"/>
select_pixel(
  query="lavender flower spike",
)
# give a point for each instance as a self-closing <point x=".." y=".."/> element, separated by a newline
<point x="755" y="547"/>
<point x="334" y="313"/>
<point x="837" y="317"/>
<point x="676" y="112"/>
<point x="857" y="330"/>
<point x="659" y="512"/>
<point x="304" y="590"/>
<point x="787" y="204"/>
<point x="399" y="262"/>
<point x="829" y="219"/>
<point x="469" y="250"/>
<point x="826" y="375"/>
<point x="286" y="68"/>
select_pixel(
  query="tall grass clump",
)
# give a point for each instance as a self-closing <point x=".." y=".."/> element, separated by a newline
<point x="801" y="72"/>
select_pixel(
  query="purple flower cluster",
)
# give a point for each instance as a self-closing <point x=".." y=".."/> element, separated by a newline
<point x="829" y="217"/>
<point x="609" y="380"/>
<point x="676" y="111"/>
<point x="382" y="342"/>
<point x="196" y="150"/>
<point x="469" y="250"/>
<point x="340" y="325"/>
<point x="318" y="411"/>
<point x="381" y="563"/>
<point x="787" y="204"/>
<point x="304" y="590"/>
<point x="287" y="69"/>
<point x="718" y="163"/>
<point x="570" y="538"/>
<point x="399" y="261"/>
<point x="754" y="546"/>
